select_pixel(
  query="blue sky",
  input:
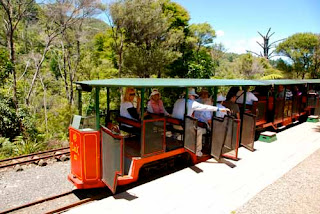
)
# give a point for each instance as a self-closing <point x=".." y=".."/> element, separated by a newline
<point x="236" y="22"/>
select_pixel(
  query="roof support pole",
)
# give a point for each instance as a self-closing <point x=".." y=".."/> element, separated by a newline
<point x="142" y="103"/>
<point x="243" y="110"/>
<point x="275" y="95"/>
<point x="108" y="105"/>
<point x="97" y="108"/>
<point x="215" y="95"/>
<point x="80" y="102"/>
<point x="186" y="102"/>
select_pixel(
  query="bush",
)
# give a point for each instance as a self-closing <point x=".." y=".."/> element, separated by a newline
<point x="25" y="146"/>
<point x="9" y="122"/>
<point x="16" y="122"/>
<point x="6" y="148"/>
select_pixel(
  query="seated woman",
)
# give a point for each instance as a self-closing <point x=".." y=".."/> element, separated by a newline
<point x="128" y="110"/>
<point x="155" y="104"/>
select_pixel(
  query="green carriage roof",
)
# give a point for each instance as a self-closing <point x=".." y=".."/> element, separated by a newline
<point x="173" y="82"/>
<point x="178" y="82"/>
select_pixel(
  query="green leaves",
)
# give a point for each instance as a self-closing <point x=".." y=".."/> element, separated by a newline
<point x="5" y="66"/>
<point x="300" y="49"/>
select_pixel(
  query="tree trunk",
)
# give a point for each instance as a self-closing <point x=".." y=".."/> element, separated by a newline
<point x="65" y="70"/>
<point x="44" y="103"/>
<point x="13" y="70"/>
<point x="120" y="57"/>
<point x="38" y="67"/>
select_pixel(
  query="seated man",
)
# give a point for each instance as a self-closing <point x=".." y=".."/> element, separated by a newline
<point x="204" y="116"/>
<point x="232" y="105"/>
<point x="249" y="99"/>
<point x="192" y="105"/>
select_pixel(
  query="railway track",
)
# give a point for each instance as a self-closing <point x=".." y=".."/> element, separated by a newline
<point x="63" y="201"/>
<point x="67" y="200"/>
<point x="34" y="157"/>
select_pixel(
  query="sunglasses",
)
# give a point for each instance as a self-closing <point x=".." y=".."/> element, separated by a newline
<point x="132" y="94"/>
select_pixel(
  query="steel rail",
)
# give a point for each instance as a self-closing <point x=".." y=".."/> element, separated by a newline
<point x="32" y="154"/>
<point x="36" y="202"/>
<point x="65" y="208"/>
<point x="33" y="160"/>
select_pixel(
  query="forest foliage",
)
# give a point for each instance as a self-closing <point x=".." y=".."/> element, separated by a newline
<point x="45" y="46"/>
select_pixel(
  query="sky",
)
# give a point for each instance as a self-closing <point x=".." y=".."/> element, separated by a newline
<point x="237" y="22"/>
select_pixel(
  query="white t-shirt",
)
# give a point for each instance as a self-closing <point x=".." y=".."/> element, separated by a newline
<point x="178" y="108"/>
<point x="124" y="109"/>
<point x="219" y="113"/>
<point x="249" y="100"/>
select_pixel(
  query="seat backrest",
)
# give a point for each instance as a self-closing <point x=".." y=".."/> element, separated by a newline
<point x="128" y="121"/>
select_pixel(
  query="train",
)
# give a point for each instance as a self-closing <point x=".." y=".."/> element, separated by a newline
<point x="101" y="155"/>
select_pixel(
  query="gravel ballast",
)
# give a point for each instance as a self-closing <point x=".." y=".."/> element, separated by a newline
<point x="33" y="183"/>
<point x="298" y="191"/>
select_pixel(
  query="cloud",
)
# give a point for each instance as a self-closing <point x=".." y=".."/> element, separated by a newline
<point x="220" y="33"/>
<point x="241" y="46"/>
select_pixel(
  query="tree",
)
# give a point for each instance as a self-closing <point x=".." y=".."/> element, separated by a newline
<point x="5" y="66"/>
<point x="266" y="46"/>
<point x="13" y="12"/>
<point x="56" y="18"/>
<point x="315" y="69"/>
<point x="300" y="48"/>
<point x="202" y="35"/>
<point x="150" y="44"/>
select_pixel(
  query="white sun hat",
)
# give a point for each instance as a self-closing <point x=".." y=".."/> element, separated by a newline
<point x="220" y="98"/>
<point x="193" y="92"/>
<point x="154" y="92"/>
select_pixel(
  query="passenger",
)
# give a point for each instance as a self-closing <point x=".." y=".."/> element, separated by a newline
<point x="234" y="90"/>
<point x="289" y="93"/>
<point x="220" y="100"/>
<point x="128" y="110"/>
<point x="280" y="93"/>
<point x="249" y="99"/>
<point x="311" y="90"/>
<point x="231" y="104"/>
<point x="296" y="91"/>
<point x="204" y="116"/>
<point x="204" y="97"/>
<point x="155" y="104"/>
<point x="192" y="105"/>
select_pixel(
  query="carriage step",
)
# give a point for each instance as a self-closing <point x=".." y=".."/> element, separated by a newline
<point x="281" y="127"/>
<point x="268" y="137"/>
<point x="297" y="121"/>
<point x="313" y="118"/>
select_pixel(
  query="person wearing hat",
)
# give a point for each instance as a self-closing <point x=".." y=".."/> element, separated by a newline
<point x="220" y="100"/>
<point x="155" y="104"/>
<point x="250" y="97"/>
<point x="204" y="116"/>
<point x="204" y="97"/>
<point x="193" y="105"/>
